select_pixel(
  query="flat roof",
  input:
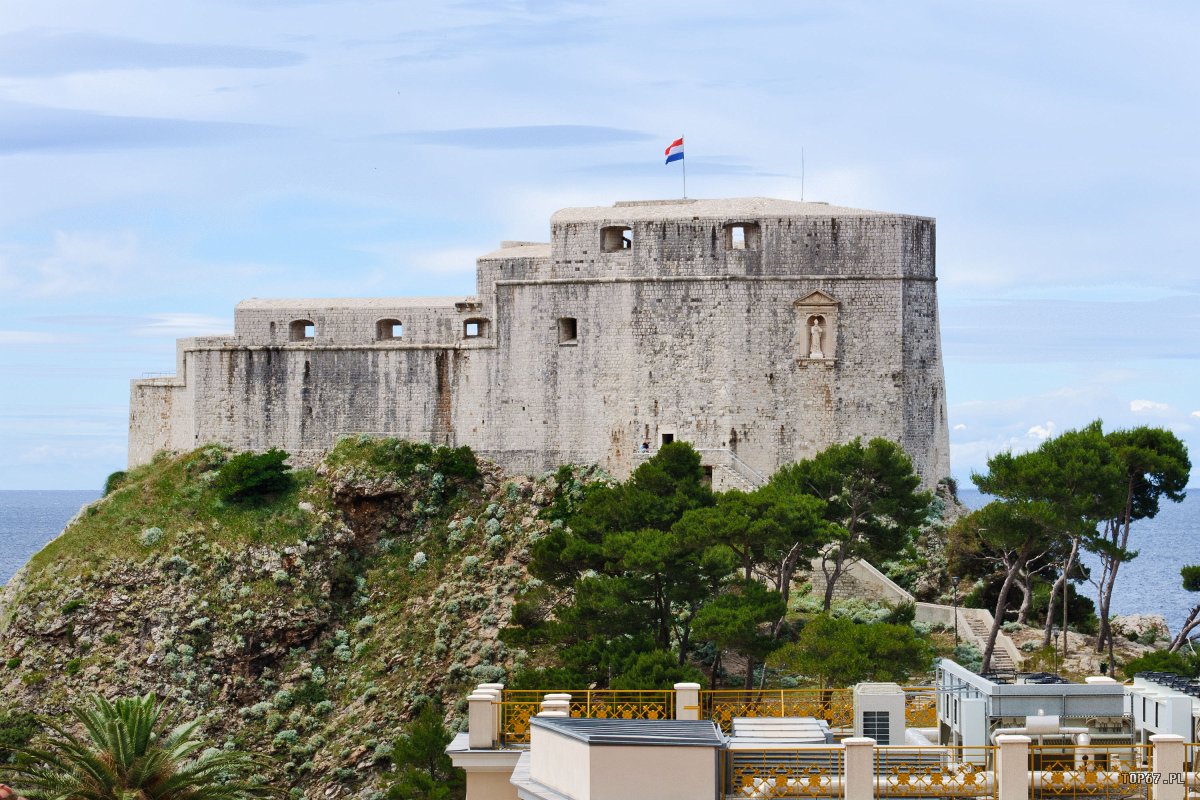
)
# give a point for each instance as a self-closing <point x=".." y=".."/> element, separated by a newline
<point x="729" y="210"/>
<point x="647" y="732"/>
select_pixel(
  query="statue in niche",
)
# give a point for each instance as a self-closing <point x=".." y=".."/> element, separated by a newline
<point x="814" y="339"/>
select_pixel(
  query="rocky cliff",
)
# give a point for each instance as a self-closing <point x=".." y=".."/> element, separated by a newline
<point x="306" y="625"/>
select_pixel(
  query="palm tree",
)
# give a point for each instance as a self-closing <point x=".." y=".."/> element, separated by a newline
<point x="132" y="751"/>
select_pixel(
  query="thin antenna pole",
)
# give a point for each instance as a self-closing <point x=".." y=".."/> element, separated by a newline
<point x="683" y="162"/>
<point x="801" y="174"/>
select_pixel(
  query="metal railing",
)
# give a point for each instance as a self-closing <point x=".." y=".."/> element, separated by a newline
<point x="519" y="705"/>
<point x="835" y="706"/>
<point x="920" y="706"/>
<point x="810" y="772"/>
<point x="1092" y="771"/>
<point x="935" y="771"/>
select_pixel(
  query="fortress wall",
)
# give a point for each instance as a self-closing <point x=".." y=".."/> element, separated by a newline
<point x="267" y="323"/>
<point x="159" y="417"/>
<point x="722" y="364"/>
<point x="304" y="400"/>
<point x="815" y="245"/>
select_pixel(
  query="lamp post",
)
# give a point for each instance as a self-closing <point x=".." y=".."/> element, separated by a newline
<point x="1054" y="638"/>
<point x="954" y="583"/>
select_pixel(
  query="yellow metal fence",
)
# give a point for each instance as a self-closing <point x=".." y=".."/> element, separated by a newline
<point x="519" y="705"/>
<point x="1120" y="772"/>
<point x="812" y="772"/>
<point x="835" y="706"/>
<point x="935" y="772"/>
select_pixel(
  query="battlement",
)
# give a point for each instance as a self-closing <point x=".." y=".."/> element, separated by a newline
<point x="759" y="330"/>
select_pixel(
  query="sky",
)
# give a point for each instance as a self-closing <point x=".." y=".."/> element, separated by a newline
<point x="160" y="162"/>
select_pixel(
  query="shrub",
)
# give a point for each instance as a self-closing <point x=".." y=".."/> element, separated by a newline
<point x="150" y="537"/>
<point x="114" y="481"/>
<point x="73" y="666"/>
<point x="16" y="730"/>
<point x="72" y="606"/>
<point x="247" y="476"/>
<point x="13" y="662"/>
<point x="1187" y="666"/>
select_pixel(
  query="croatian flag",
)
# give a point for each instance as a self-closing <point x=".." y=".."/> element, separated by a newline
<point x="675" y="151"/>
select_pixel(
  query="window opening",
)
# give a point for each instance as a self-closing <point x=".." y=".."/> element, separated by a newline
<point x="389" y="329"/>
<point x="616" y="238"/>
<point x="708" y="475"/>
<point x="568" y="330"/>
<point x="743" y="236"/>
<point x="474" y="328"/>
<point x="667" y="438"/>
<point x="302" y="330"/>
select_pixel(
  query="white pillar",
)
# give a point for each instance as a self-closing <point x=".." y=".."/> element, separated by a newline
<point x="1012" y="767"/>
<point x="481" y="721"/>
<point x="496" y="690"/>
<point x="859" y="768"/>
<point x="555" y="708"/>
<point x="1167" y="760"/>
<point x="687" y="701"/>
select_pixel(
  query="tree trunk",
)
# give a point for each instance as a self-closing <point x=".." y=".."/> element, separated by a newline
<point x="749" y="684"/>
<point x="1060" y="585"/>
<point x="787" y="571"/>
<point x="714" y="679"/>
<point x="831" y="580"/>
<point x="1189" y="625"/>
<point x="1023" y="583"/>
<point x="1120" y="531"/>
<point x="1001" y="603"/>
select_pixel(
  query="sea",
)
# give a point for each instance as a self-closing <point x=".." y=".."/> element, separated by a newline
<point x="1149" y="584"/>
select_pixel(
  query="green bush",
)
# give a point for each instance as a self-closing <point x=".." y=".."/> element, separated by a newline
<point x="72" y="606"/>
<point x="1161" y="661"/>
<point x="400" y="458"/>
<point x="16" y="730"/>
<point x="1191" y="577"/>
<point x="73" y="666"/>
<point x="247" y="476"/>
<point x="115" y="481"/>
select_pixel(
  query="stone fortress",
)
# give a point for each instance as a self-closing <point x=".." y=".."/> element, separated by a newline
<point x="758" y="330"/>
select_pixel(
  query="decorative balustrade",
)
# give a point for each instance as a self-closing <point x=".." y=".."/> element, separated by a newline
<point x="1119" y="771"/>
<point x="812" y="772"/>
<point x="519" y="705"/>
<point x="835" y="706"/>
<point x="935" y="771"/>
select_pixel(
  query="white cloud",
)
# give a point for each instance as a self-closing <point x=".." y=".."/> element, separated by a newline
<point x="1148" y="405"/>
<point x="1196" y="413"/>
<point x="174" y="325"/>
<point x="18" y="338"/>
<point x="1042" y="432"/>
<point x="960" y="427"/>
<point x="77" y="263"/>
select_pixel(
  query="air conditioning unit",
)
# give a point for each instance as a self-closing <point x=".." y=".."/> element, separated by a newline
<point x="879" y="712"/>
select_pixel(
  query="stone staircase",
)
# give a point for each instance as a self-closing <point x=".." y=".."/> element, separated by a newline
<point x="980" y="628"/>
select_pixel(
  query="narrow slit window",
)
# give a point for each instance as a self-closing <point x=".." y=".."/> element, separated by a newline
<point x="389" y="329"/>
<point x="568" y="330"/>
<point x="616" y="238"/>
<point x="302" y="330"/>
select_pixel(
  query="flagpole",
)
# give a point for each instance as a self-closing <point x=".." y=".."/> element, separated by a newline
<point x="683" y="161"/>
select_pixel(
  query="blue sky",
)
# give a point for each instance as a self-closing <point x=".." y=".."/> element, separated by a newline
<point x="160" y="162"/>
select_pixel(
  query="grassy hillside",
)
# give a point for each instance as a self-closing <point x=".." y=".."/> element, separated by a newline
<point x="307" y="624"/>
